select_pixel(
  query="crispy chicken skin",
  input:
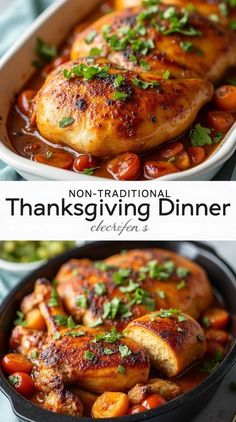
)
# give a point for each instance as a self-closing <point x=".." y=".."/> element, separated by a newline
<point x="105" y="127"/>
<point x="216" y="43"/>
<point x="64" y="362"/>
<point x="76" y="278"/>
<point x="173" y="342"/>
<point x="205" y="7"/>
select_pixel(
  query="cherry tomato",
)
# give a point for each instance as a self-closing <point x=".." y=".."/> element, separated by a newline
<point x="219" y="336"/>
<point x="137" y="409"/>
<point x="171" y="150"/>
<point x="15" y="362"/>
<point x="22" y="383"/>
<point x="221" y="121"/>
<point x="153" y="169"/>
<point x="59" y="159"/>
<point x="215" y="318"/>
<point x="213" y="349"/>
<point x="84" y="162"/>
<point x="182" y="161"/>
<point x="126" y="166"/>
<point x="153" y="401"/>
<point x="225" y="98"/>
<point x="24" y="101"/>
<point x="197" y="154"/>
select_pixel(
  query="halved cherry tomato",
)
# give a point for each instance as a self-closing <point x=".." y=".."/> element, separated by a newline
<point x="153" y="169"/>
<point x="22" y="383"/>
<point x="197" y="154"/>
<point x="171" y="150"/>
<point x="153" y="401"/>
<point x="213" y="349"/>
<point x="219" y="336"/>
<point x="84" y="162"/>
<point x="221" y="121"/>
<point x="126" y="166"/>
<point x="13" y="362"/>
<point x="137" y="409"/>
<point x="59" y="159"/>
<point x="182" y="161"/>
<point x="215" y="318"/>
<point x="24" y="101"/>
<point x="225" y="98"/>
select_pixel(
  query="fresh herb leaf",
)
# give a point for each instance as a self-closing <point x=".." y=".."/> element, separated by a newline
<point x="200" y="136"/>
<point x="124" y="351"/>
<point x="89" y="171"/>
<point x="54" y="299"/>
<point x="57" y="335"/>
<point x="61" y="320"/>
<point x="206" y="322"/>
<point x="91" y="37"/>
<point x="87" y="72"/>
<point x="70" y="322"/>
<point x="182" y="272"/>
<point x="66" y="121"/>
<point x="161" y="294"/>
<point x="45" y="51"/>
<point x="108" y="352"/>
<point x="181" y="285"/>
<point x="120" y="96"/>
<point x="166" y="75"/>
<point x="14" y="380"/>
<point x="100" y="289"/>
<point x="102" y="266"/>
<point x="82" y="301"/>
<point x="74" y="334"/>
<point x="145" y="65"/>
<point x="20" y="320"/>
<point x="96" y="323"/>
<point x="131" y="287"/>
<point x="109" y="336"/>
<point x="121" y="369"/>
<point x="89" y="355"/>
<point x="34" y="354"/>
<point x="217" y="137"/>
<point x="120" y="276"/>
<point x="144" y="84"/>
<point x="95" y="51"/>
<point x="118" y="81"/>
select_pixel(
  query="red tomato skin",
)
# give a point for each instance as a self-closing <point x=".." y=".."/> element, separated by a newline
<point x="125" y="166"/>
<point x="220" y="121"/>
<point x="217" y="317"/>
<point x="25" y="386"/>
<point x="14" y="362"/>
<point x="225" y="98"/>
<point x="83" y="162"/>
<point x="169" y="151"/>
<point x="153" y="401"/>
<point x="137" y="409"/>
<point x="154" y="169"/>
<point x="58" y="159"/>
<point x="24" y="101"/>
<point x="219" y="336"/>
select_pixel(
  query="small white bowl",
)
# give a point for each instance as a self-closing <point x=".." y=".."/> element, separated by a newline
<point x="15" y="69"/>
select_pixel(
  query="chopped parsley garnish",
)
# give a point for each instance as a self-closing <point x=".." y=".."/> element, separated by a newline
<point x="109" y="337"/>
<point x="189" y="47"/>
<point x="161" y="294"/>
<point x="87" y="72"/>
<point x="223" y="9"/>
<point x="214" y="18"/>
<point x="206" y="322"/>
<point x="121" y="369"/>
<point x="233" y="25"/>
<point x="89" y="355"/>
<point x="111" y="309"/>
<point x="20" y="320"/>
<point x="170" y="313"/>
<point x="145" y="65"/>
<point x="178" y="23"/>
<point x="119" y="96"/>
<point x="102" y="266"/>
<point x="14" y="380"/>
<point x="45" y="51"/>
<point x="181" y="285"/>
<point x="141" y="296"/>
<point x="108" y="352"/>
<point x="61" y="320"/>
<point x="217" y="138"/>
<point x="120" y="276"/>
<point x="200" y="136"/>
<point x="89" y="171"/>
<point x="210" y="366"/>
<point x="118" y="81"/>
<point x="82" y="301"/>
<point x="34" y="354"/>
<point x="159" y="271"/>
<point x="181" y="318"/>
<point x="53" y="301"/>
<point x="166" y="74"/>
<point x="49" y="154"/>
<point x="144" y="84"/>
<point x="96" y="323"/>
<point x="90" y="37"/>
<point x="131" y="287"/>
<point x="95" y="51"/>
<point x="100" y="289"/>
<point x="57" y="335"/>
<point x="124" y="351"/>
<point x="70" y="322"/>
<point x="182" y="272"/>
<point x="74" y="334"/>
<point x="66" y="121"/>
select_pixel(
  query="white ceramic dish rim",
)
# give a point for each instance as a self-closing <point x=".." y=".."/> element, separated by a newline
<point x="216" y="160"/>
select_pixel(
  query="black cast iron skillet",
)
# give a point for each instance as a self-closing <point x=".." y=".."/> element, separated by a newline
<point x="182" y="408"/>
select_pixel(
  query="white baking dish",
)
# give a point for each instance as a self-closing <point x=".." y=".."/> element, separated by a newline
<point x="15" y="68"/>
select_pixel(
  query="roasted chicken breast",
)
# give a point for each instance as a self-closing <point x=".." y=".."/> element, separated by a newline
<point x="93" y="116"/>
